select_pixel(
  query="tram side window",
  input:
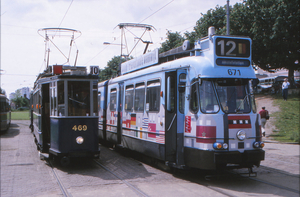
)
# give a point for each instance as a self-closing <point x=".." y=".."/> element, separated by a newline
<point x="113" y="100"/>
<point x="61" y="98"/>
<point x="153" y="96"/>
<point x="129" y="98"/>
<point x="79" y="98"/>
<point x="99" y="101"/>
<point x="181" y="90"/>
<point x="170" y="94"/>
<point x="95" y="99"/>
<point x="208" y="100"/>
<point x="194" y="105"/>
<point x="139" y="98"/>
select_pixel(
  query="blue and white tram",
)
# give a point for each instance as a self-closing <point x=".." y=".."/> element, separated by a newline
<point x="64" y="115"/>
<point x="188" y="107"/>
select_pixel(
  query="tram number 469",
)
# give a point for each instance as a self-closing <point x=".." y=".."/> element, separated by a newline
<point x="234" y="72"/>
<point x="79" y="128"/>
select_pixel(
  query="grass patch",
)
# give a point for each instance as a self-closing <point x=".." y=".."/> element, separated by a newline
<point x="287" y="119"/>
<point x="20" y="115"/>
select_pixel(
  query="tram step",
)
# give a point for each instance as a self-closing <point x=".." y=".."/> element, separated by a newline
<point x="43" y="156"/>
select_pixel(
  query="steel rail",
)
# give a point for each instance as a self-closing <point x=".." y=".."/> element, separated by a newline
<point x="135" y="189"/>
<point x="59" y="182"/>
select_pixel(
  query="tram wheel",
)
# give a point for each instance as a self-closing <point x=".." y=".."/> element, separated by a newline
<point x="65" y="161"/>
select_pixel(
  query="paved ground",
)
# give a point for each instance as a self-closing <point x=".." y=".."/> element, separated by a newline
<point x="267" y="101"/>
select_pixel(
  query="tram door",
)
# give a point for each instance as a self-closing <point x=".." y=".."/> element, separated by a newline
<point x="45" y="116"/>
<point x="174" y="116"/>
<point x="120" y="109"/>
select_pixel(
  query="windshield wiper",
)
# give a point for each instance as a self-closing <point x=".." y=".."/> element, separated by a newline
<point x="237" y="110"/>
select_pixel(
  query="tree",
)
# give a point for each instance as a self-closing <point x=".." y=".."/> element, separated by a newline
<point x="275" y="34"/>
<point x="2" y="91"/>
<point x="273" y="26"/>
<point x="173" y="40"/>
<point x="111" y="70"/>
<point x="19" y="100"/>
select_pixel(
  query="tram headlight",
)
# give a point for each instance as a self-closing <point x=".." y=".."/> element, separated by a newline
<point x="256" y="144"/>
<point x="217" y="145"/>
<point x="241" y="135"/>
<point x="79" y="140"/>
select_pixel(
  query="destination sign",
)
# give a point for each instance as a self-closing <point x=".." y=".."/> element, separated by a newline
<point x="232" y="62"/>
<point x="232" y="47"/>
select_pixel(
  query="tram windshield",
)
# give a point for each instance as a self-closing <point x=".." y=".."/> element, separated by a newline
<point x="233" y="95"/>
<point x="79" y="98"/>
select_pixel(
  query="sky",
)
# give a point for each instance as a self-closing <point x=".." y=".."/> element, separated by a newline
<point x="23" y="49"/>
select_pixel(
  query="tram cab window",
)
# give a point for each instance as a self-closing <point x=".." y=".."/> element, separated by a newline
<point x="233" y="95"/>
<point x="129" y="98"/>
<point x="53" y="95"/>
<point x="208" y="100"/>
<point x="253" y="103"/>
<point x="79" y="98"/>
<point x="181" y="90"/>
<point x="170" y="94"/>
<point x="139" y="98"/>
<point x="95" y="99"/>
<point x="61" y="98"/>
<point x="153" y="96"/>
<point x="99" y="101"/>
<point x="113" y="100"/>
<point x="194" y="103"/>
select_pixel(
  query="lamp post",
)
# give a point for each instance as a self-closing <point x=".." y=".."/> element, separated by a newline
<point x="125" y="56"/>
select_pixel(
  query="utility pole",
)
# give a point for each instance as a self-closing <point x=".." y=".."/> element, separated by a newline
<point x="228" y="25"/>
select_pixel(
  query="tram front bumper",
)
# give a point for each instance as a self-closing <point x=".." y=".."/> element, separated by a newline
<point x="236" y="157"/>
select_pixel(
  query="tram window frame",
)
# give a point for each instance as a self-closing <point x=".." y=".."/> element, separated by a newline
<point x="99" y="101"/>
<point x="61" y="109"/>
<point x="129" y="95"/>
<point x="95" y="98"/>
<point x="171" y="88"/>
<point x="208" y="98"/>
<point x="153" y="96"/>
<point x="113" y="97"/>
<point x="194" y="101"/>
<point x="139" y="97"/>
<point x="53" y="98"/>
<point x="79" y="98"/>
<point x="181" y="92"/>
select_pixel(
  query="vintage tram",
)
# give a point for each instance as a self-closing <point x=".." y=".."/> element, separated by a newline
<point x="192" y="106"/>
<point x="5" y="113"/>
<point x="64" y="113"/>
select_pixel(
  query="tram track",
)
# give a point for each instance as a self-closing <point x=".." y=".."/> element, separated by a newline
<point x="132" y="187"/>
<point x="280" y="172"/>
<point x="268" y="182"/>
<point x="59" y="182"/>
<point x="274" y="185"/>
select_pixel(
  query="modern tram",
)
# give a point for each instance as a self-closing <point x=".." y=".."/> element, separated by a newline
<point x="5" y="113"/>
<point x="64" y="112"/>
<point x="191" y="107"/>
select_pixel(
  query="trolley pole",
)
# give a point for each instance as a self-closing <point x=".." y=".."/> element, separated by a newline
<point x="228" y="25"/>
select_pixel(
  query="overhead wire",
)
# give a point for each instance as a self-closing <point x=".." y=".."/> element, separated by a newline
<point x="64" y="16"/>
<point x="139" y="22"/>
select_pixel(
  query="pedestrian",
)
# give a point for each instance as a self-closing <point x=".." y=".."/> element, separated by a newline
<point x="264" y="116"/>
<point x="285" y="86"/>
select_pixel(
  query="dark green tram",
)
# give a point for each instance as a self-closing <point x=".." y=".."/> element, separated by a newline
<point x="64" y="113"/>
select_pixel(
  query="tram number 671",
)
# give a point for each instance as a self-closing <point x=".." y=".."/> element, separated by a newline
<point x="234" y="72"/>
<point x="79" y="128"/>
